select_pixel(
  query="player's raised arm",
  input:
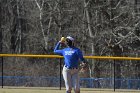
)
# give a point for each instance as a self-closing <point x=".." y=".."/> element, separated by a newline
<point x="56" y="49"/>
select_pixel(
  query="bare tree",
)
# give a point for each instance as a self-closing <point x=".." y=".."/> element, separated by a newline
<point x="40" y="7"/>
<point x="88" y="17"/>
<point x="1" y="27"/>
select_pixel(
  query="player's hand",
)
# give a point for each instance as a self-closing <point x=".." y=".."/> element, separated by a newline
<point x="62" y="40"/>
<point x="83" y="64"/>
<point x="84" y="67"/>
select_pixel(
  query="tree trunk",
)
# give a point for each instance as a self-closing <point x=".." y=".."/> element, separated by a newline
<point x="16" y="31"/>
<point x="1" y="27"/>
<point x="40" y="7"/>
<point x="88" y="17"/>
<point x="19" y="28"/>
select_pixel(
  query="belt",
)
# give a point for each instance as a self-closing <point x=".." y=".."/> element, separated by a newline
<point x="71" y="67"/>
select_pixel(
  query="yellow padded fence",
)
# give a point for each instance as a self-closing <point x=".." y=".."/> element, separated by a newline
<point x="57" y="56"/>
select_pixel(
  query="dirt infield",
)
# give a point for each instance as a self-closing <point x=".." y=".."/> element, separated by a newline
<point x="56" y="90"/>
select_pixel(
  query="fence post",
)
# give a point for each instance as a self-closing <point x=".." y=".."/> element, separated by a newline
<point x="2" y="71"/>
<point x="114" y="76"/>
<point x="60" y="72"/>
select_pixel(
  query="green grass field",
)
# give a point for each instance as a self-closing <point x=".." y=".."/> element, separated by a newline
<point x="56" y="90"/>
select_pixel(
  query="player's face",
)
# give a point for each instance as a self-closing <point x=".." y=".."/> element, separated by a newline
<point x="69" y="42"/>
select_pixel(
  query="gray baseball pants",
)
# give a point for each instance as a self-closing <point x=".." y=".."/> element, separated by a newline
<point x="71" y="79"/>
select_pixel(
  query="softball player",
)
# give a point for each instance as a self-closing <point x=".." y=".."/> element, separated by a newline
<point x="71" y="58"/>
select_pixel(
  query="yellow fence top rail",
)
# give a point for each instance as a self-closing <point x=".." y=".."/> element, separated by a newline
<point x="57" y="56"/>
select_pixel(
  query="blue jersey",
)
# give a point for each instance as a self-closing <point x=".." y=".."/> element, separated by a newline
<point x="71" y="55"/>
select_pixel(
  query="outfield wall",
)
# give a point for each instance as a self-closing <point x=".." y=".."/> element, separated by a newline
<point x="42" y="81"/>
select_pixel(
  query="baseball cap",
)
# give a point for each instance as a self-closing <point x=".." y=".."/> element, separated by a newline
<point x="70" y="38"/>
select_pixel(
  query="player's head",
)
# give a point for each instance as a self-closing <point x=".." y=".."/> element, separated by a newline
<point x="70" y="41"/>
